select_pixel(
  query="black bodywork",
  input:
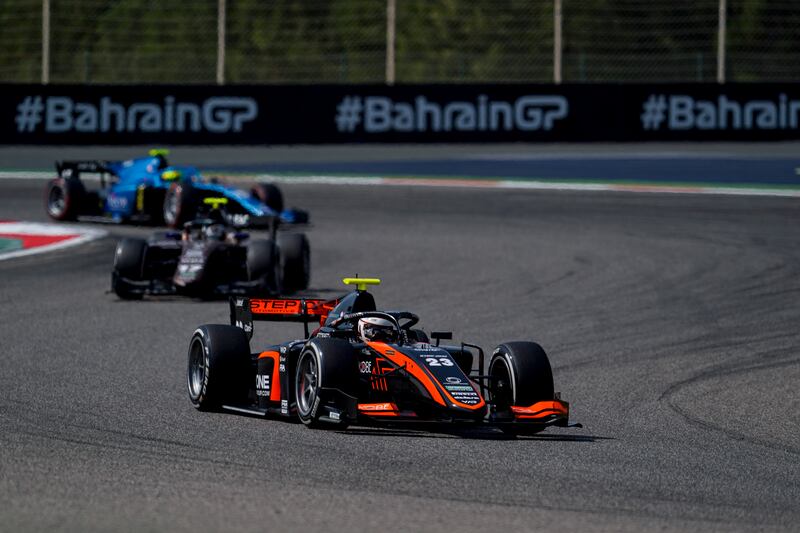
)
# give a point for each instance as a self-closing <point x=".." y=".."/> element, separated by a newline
<point x="411" y="380"/>
<point x="208" y="258"/>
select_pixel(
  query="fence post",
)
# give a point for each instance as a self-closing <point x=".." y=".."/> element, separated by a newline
<point x="723" y="16"/>
<point x="45" y="42"/>
<point x="221" y="42"/>
<point x="557" y="45"/>
<point x="391" y="13"/>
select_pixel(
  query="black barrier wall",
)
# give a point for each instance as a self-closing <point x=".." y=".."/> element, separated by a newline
<point x="181" y="114"/>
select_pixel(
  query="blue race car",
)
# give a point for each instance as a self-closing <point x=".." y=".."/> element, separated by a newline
<point x="150" y="190"/>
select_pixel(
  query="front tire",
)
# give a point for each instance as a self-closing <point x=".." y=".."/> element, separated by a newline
<point x="219" y="356"/>
<point x="129" y="260"/>
<point x="295" y="261"/>
<point x="326" y="379"/>
<point x="179" y="204"/>
<point x="520" y="375"/>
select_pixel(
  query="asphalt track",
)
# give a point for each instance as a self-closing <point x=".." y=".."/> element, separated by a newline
<point x="671" y="322"/>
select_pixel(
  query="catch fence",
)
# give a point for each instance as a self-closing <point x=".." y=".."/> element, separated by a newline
<point x="398" y="41"/>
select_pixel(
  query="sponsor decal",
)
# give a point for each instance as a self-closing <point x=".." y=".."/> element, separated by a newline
<point x="681" y="112"/>
<point x="381" y="114"/>
<point x="453" y="379"/>
<point x="463" y="393"/>
<point x="117" y="202"/>
<point x="62" y="114"/>
<point x="262" y="385"/>
<point x="284" y="407"/>
<point x="365" y="367"/>
<point x="238" y="219"/>
<point x="246" y="326"/>
<point x="376" y="407"/>
<point x="425" y="347"/>
<point x="333" y="415"/>
<point x="450" y="387"/>
<point x="285" y="307"/>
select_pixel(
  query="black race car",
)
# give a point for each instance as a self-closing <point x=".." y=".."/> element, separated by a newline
<point x="367" y="366"/>
<point x="210" y="258"/>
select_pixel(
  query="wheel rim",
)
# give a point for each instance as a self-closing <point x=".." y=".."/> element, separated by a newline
<point x="501" y="390"/>
<point x="56" y="201"/>
<point x="197" y="369"/>
<point x="307" y="381"/>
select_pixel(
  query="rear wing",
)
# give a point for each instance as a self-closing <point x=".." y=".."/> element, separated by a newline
<point x="73" y="169"/>
<point x="245" y="310"/>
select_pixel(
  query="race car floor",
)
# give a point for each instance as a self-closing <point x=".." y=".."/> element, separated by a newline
<point x="671" y="322"/>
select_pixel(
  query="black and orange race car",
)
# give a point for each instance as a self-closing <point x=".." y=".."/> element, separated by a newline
<point x="364" y="366"/>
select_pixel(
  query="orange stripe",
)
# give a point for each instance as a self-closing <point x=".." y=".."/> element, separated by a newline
<point x="275" y="380"/>
<point x="378" y="409"/>
<point x="427" y="380"/>
<point x="401" y="359"/>
<point x="541" y="409"/>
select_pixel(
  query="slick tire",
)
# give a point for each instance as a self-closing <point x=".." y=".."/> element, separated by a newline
<point x="520" y="375"/>
<point x="295" y="261"/>
<point x="180" y="204"/>
<point x="327" y="370"/>
<point x="63" y="198"/>
<point x="270" y="195"/>
<point x="219" y="361"/>
<point x="264" y="265"/>
<point x="129" y="260"/>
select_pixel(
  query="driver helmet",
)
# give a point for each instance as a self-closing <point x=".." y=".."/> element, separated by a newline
<point x="215" y="232"/>
<point x="372" y="328"/>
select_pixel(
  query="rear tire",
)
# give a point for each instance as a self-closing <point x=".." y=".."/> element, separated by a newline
<point x="219" y="357"/>
<point x="263" y="264"/>
<point x="295" y="261"/>
<point x="270" y="195"/>
<point x="179" y="204"/>
<point x="325" y="368"/>
<point x="129" y="264"/>
<point x="63" y="198"/>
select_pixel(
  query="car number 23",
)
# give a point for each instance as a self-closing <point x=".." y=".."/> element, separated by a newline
<point x="438" y="361"/>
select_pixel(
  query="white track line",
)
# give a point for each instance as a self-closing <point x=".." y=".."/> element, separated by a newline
<point x="37" y="228"/>
<point x="486" y="183"/>
<point x="532" y="185"/>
